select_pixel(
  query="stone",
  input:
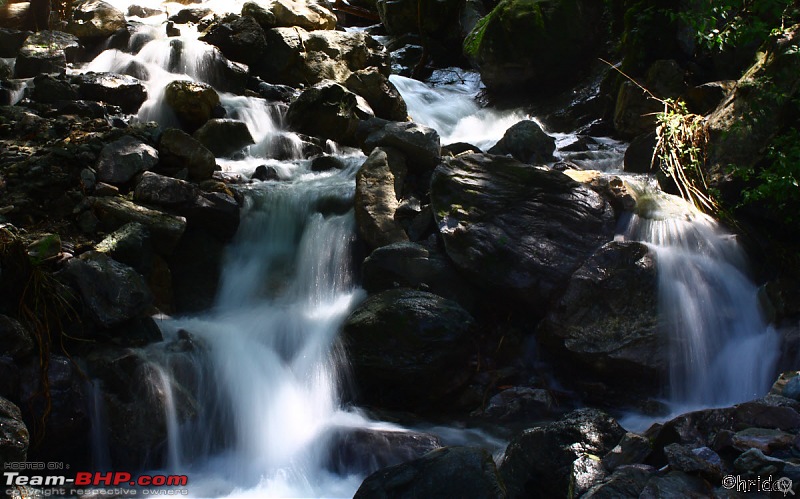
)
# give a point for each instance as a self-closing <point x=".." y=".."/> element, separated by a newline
<point x="702" y="461"/>
<point x="519" y="404"/>
<point x="587" y="471"/>
<point x="123" y="159"/>
<point x="676" y="484"/>
<point x="524" y="232"/>
<point x="626" y="481"/>
<point x="538" y="461"/>
<point x="526" y="142"/>
<point x="215" y="212"/>
<point x="607" y="318"/>
<point x="11" y="41"/>
<point x="379" y="184"/>
<point x="224" y="137"/>
<point x="196" y="266"/>
<point x="124" y="91"/>
<point x="94" y="20"/>
<point x="639" y="154"/>
<point x="114" y="212"/>
<point x="158" y="190"/>
<point x="46" y="52"/>
<point x="411" y="265"/>
<point x="409" y="348"/>
<point x="48" y="89"/>
<point x="14" y="436"/>
<point x="15" y="340"/>
<point x="178" y="150"/>
<point x="764" y="439"/>
<point x="631" y="449"/>
<point x="111" y="292"/>
<point x="446" y="472"/>
<point x="130" y="244"/>
<point x="365" y="451"/>
<point x="420" y="144"/>
<point x="192" y="102"/>
<point x="379" y="92"/>
<point x="328" y="111"/>
<point x="240" y="39"/>
<point x="192" y="15"/>
<point x="308" y="15"/>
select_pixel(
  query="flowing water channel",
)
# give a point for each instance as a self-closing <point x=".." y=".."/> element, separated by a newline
<point x="269" y="389"/>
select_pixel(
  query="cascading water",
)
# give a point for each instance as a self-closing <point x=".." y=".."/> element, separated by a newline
<point x="723" y="352"/>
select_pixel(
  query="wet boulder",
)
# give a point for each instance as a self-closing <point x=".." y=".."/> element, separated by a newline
<point x="524" y="232"/>
<point x="49" y="89"/>
<point x="191" y="15"/>
<point x="526" y="142"/>
<point x="111" y="292"/>
<point x="328" y="111"/>
<point x="379" y="186"/>
<point x="158" y="190"/>
<point x="379" y="92"/>
<point x="524" y="43"/>
<point x="363" y="450"/>
<point x="94" y="20"/>
<point x="192" y="102"/>
<point x="15" y="339"/>
<point x="627" y="481"/>
<point x="412" y="265"/>
<point x="131" y="244"/>
<point x="240" y="39"/>
<point x="420" y="144"/>
<point x="114" y="212"/>
<point x="607" y="318"/>
<point x="409" y="348"/>
<point x="124" y="158"/>
<point x="299" y="57"/>
<point x="224" y="137"/>
<point x="263" y="16"/>
<point x="124" y="91"/>
<point x="445" y="472"/>
<point x="215" y="212"/>
<point x="14" y="436"/>
<point x="538" y="462"/>
<point x="179" y="151"/>
<point x="46" y="52"/>
<point x="309" y="15"/>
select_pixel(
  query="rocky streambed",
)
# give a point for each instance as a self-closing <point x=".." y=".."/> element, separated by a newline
<point x="499" y="291"/>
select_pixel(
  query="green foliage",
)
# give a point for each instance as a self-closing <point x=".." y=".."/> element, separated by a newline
<point x="776" y="183"/>
<point x="473" y="40"/>
<point x="721" y="24"/>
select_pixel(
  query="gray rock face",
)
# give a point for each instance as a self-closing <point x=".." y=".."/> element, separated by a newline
<point x="420" y="144"/>
<point x="15" y="340"/>
<point x="379" y="185"/>
<point x="93" y="20"/>
<point x="607" y="318"/>
<point x="178" y="150"/>
<point x="131" y="244"/>
<point x="412" y="265"/>
<point x="447" y="472"/>
<point x="361" y="450"/>
<point x="514" y="228"/>
<point x="380" y="93"/>
<point x="122" y="159"/>
<point x="538" y="462"/>
<point x="114" y="212"/>
<point x="124" y="91"/>
<point x="46" y="52"/>
<point x="48" y="89"/>
<point x="14" y="437"/>
<point x="329" y="111"/>
<point x="526" y="142"/>
<point x="409" y="347"/>
<point x="158" y="190"/>
<point x="224" y="137"/>
<point x="111" y="291"/>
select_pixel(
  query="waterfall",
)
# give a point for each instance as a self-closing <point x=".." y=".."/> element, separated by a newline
<point x="722" y="350"/>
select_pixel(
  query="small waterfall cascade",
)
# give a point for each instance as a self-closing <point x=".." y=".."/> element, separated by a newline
<point x="723" y="351"/>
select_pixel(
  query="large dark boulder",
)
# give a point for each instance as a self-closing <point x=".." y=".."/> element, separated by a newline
<point x="11" y="40"/>
<point x="538" y="462"/>
<point x="447" y="472"/>
<point x="524" y="231"/>
<point x="124" y="91"/>
<point x="607" y="318"/>
<point x="379" y="187"/>
<point x="526" y="142"/>
<point x="192" y="102"/>
<point x="111" y="292"/>
<point x="379" y="92"/>
<point x="420" y="144"/>
<point x="409" y="348"/>
<point x="411" y="265"/>
<point x="114" y="212"/>
<point x="178" y="151"/>
<point x="158" y="190"/>
<point x="224" y="137"/>
<point x="15" y="339"/>
<point x="94" y="20"/>
<point x="124" y="158"/>
<point x="364" y="450"/>
<point x="240" y="39"/>
<point x="46" y="52"/>
<point x="328" y="111"/>
<point x="14" y="437"/>
<point x="524" y="43"/>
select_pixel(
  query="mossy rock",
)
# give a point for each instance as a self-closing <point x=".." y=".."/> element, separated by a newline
<point x="537" y="43"/>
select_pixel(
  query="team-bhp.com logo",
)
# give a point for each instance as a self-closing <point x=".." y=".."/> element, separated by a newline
<point x="119" y="480"/>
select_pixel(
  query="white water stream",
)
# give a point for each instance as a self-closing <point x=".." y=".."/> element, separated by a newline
<point x="271" y="396"/>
